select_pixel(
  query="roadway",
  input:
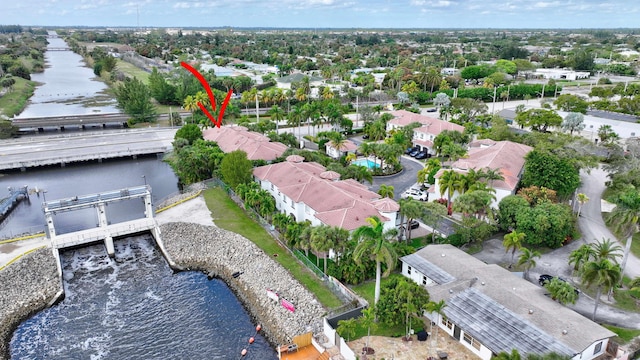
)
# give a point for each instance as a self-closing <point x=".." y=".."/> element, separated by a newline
<point x="59" y="149"/>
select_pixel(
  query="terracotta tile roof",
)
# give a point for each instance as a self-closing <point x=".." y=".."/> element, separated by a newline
<point x="345" y="203"/>
<point x="330" y="175"/>
<point x="436" y="126"/>
<point x="430" y="124"/>
<point x="386" y="205"/>
<point x="427" y="143"/>
<point x="257" y="146"/>
<point x="504" y="155"/>
<point x="350" y="217"/>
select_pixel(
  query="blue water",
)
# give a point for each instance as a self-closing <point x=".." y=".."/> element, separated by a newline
<point x="366" y="163"/>
<point x="135" y="307"/>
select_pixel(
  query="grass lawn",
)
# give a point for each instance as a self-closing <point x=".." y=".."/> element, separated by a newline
<point x="133" y="71"/>
<point x="229" y="216"/>
<point x="367" y="289"/>
<point x="14" y="101"/>
<point x="624" y="335"/>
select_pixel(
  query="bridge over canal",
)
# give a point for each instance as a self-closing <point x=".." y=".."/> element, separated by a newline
<point x="27" y="152"/>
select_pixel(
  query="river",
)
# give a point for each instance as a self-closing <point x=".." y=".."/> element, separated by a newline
<point x="67" y="86"/>
<point x="133" y="307"/>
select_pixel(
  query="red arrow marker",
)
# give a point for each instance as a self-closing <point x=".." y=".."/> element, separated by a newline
<point x="212" y="98"/>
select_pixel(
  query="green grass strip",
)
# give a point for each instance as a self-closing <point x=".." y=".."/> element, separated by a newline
<point x="229" y="216"/>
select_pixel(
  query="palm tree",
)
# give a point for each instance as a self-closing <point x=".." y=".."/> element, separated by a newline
<point x="448" y="183"/>
<point x="374" y="242"/>
<point x="491" y="175"/>
<point x="513" y="241"/>
<point x="322" y="242"/>
<point x="561" y="291"/>
<point x="528" y="260"/>
<point x="624" y="219"/>
<point x="581" y="256"/>
<point x="347" y="327"/>
<point x="277" y="114"/>
<point x="412" y="209"/>
<point x="295" y="117"/>
<point x="604" y="275"/>
<point x="438" y="309"/>
<point x="514" y="355"/>
<point x="386" y="191"/>
<point x="582" y="199"/>
<point x="350" y="157"/>
<point x="607" y="249"/>
<point x="368" y="320"/>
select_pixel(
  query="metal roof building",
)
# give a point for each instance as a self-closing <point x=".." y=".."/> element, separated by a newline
<point x="490" y="310"/>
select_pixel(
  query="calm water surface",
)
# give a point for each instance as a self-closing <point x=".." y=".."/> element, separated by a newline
<point x="67" y="87"/>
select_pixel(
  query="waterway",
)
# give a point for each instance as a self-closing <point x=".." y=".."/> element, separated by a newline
<point x="68" y="86"/>
<point x="134" y="307"/>
<point x="81" y="179"/>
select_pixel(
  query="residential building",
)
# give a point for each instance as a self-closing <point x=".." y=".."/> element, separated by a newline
<point x="490" y="310"/>
<point x="256" y="145"/>
<point x="422" y="136"/>
<point x="561" y="74"/>
<point x="307" y="191"/>
<point x="346" y="147"/>
<point x="505" y="156"/>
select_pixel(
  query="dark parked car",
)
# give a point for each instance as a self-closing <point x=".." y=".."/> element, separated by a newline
<point x="544" y="279"/>
<point x="432" y="110"/>
<point x="365" y="136"/>
<point x="409" y="150"/>
<point x="415" y="152"/>
<point x="422" y="155"/>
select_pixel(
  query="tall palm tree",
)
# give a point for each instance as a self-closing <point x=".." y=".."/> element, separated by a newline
<point x="607" y="249"/>
<point x="582" y="199"/>
<point x="528" y="260"/>
<point x="438" y="309"/>
<point x="491" y="175"/>
<point x="624" y="219"/>
<point x="386" y="191"/>
<point x="277" y="114"/>
<point x="368" y="320"/>
<point x="295" y="117"/>
<point x="604" y="275"/>
<point x="374" y="242"/>
<point x="322" y="242"/>
<point x="448" y="184"/>
<point x="513" y="241"/>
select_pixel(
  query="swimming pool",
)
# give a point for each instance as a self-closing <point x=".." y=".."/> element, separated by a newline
<point x="366" y="163"/>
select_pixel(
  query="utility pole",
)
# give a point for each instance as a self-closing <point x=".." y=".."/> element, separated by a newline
<point x="357" y="111"/>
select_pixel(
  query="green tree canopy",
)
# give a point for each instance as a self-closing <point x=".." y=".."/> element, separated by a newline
<point x="544" y="169"/>
<point x="134" y="98"/>
<point x="189" y="132"/>
<point x="236" y="169"/>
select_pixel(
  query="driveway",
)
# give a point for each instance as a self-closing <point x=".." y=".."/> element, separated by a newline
<point x="590" y="222"/>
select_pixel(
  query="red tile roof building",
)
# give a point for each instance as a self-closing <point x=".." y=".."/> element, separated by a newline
<point x="506" y="156"/>
<point x="309" y="192"/>
<point x="424" y="135"/>
<point x="257" y="146"/>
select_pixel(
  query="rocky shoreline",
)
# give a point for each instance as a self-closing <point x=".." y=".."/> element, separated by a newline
<point x="220" y="253"/>
<point x="32" y="284"/>
<point x="26" y="287"/>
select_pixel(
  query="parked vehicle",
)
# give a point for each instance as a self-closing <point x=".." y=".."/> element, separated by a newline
<point x="415" y="152"/>
<point x="409" y="150"/>
<point x="422" y="155"/>
<point x="545" y="278"/>
<point x="432" y="110"/>
<point x="415" y="194"/>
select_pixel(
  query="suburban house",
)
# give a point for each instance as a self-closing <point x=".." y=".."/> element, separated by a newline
<point x="505" y="156"/>
<point x="256" y="145"/>
<point x="307" y="191"/>
<point x="347" y="147"/>
<point x="490" y="310"/>
<point x="422" y="136"/>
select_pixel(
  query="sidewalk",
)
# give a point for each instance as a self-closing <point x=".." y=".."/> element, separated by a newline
<point x="11" y="250"/>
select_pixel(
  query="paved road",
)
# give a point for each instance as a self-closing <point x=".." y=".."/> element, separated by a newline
<point x="590" y="222"/>
<point x="46" y="150"/>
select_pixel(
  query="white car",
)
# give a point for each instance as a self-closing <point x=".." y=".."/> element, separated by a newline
<point x="415" y="194"/>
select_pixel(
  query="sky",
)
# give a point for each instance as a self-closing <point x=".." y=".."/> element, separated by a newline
<point x="326" y="13"/>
